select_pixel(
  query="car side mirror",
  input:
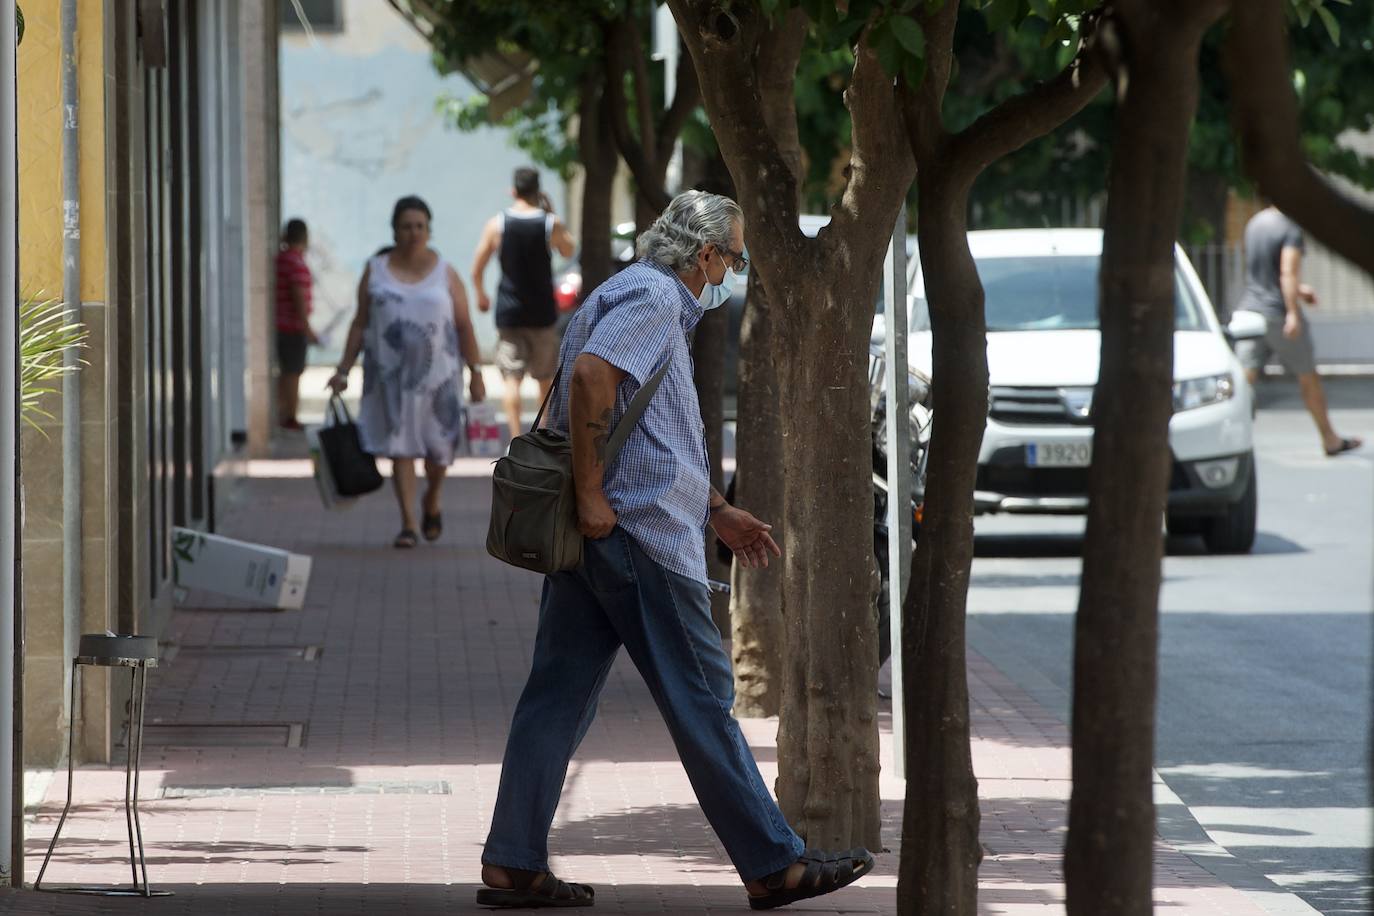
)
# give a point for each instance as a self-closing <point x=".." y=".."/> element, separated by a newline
<point x="1246" y="325"/>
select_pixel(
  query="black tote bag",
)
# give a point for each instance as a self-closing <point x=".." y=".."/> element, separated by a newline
<point x="355" y="471"/>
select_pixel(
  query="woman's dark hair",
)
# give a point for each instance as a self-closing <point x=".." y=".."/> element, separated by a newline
<point x="295" y="232"/>
<point x="409" y="202"/>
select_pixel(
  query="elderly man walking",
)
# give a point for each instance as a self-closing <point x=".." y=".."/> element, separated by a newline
<point x="642" y="583"/>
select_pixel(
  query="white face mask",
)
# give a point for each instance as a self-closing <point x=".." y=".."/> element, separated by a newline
<point x="714" y="295"/>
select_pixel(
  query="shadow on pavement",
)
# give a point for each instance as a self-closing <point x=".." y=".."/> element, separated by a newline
<point x="1051" y="545"/>
<point x="1342" y="393"/>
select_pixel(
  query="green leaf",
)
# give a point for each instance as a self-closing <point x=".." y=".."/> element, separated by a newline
<point x="1043" y="9"/>
<point x="884" y="44"/>
<point x="1333" y="28"/>
<point x="769" y="7"/>
<point x="909" y="34"/>
<point x="1001" y="13"/>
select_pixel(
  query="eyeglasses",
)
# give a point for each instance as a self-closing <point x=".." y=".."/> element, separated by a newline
<point x="741" y="263"/>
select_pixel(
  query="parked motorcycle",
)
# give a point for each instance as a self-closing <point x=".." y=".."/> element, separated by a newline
<point x="918" y="448"/>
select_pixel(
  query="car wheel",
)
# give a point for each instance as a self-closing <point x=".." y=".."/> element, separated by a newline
<point x="1234" y="532"/>
<point x="1184" y="526"/>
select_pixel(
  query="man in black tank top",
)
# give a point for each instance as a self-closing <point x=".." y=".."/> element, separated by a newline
<point x="524" y="237"/>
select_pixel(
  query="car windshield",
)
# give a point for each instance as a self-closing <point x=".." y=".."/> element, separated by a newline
<point x="1053" y="293"/>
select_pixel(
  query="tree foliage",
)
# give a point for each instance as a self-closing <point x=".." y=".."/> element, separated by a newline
<point x="1333" y="61"/>
<point x="564" y="39"/>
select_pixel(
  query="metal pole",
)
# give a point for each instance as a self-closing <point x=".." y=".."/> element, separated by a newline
<point x="71" y="359"/>
<point x="9" y="435"/>
<point x="899" y="480"/>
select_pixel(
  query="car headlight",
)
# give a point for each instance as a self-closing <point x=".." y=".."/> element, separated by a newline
<point x="1199" y="392"/>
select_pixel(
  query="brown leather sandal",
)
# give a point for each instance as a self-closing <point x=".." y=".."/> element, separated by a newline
<point x="533" y="890"/>
<point x="825" y="873"/>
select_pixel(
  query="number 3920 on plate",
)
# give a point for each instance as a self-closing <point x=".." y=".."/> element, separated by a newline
<point x="1059" y="454"/>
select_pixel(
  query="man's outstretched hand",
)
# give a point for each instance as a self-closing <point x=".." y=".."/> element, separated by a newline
<point x="747" y="537"/>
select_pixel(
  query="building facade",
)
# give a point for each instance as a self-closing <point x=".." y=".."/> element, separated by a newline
<point x="175" y="218"/>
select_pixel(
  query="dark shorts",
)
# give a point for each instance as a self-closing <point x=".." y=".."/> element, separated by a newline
<point x="291" y="346"/>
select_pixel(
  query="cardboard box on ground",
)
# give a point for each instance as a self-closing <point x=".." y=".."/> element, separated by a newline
<point x="268" y="576"/>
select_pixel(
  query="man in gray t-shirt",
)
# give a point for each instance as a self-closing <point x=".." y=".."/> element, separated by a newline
<point x="1273" y="288"/>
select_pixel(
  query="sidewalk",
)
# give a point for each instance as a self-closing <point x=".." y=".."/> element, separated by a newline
<point x="401" y="674"/>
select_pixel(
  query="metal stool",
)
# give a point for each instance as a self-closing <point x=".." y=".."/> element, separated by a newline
<point x="138" y="654"/>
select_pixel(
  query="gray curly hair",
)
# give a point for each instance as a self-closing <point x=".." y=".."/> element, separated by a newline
<point x="691" y="221"/>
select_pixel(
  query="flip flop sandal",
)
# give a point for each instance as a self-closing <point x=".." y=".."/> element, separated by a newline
<point x="405" y="540"/>
<point x="1347" y="445"/>
<point x="432" y="526"/>
<point x="536" y="892"/>
<point x="826" y="872"/>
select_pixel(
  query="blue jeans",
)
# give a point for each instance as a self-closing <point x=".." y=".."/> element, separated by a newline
<point x="621" y="597"/>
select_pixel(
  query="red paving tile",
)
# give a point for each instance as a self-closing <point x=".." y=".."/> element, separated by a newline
<point x="384" y="806"/>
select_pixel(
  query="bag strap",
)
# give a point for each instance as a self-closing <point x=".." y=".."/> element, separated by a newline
<point x="633" y="412"/>
<point x="638" y="405"/>
<point x="547" y="398"/>
<point x="337" y="407"/>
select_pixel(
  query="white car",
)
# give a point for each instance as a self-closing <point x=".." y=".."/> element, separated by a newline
<point x="1043" y="352"/>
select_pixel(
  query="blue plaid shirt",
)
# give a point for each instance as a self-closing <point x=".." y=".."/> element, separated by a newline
<point x="659" y="485"/>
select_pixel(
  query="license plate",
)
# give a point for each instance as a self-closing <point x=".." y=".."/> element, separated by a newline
<point x="1059" y="454"/>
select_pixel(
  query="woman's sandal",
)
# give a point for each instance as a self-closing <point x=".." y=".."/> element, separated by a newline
<point x="1347" y="445"/>
<point x="534" y="890"/>
<point x="432" y="526"/>
<point x="825" y="873"/>
<point x="405" y="540"/>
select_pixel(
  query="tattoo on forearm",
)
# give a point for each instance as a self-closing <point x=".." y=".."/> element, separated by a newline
<point x="603" y="428"/>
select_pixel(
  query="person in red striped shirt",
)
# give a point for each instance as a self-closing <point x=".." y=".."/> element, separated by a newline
<point x="293" y="319"/>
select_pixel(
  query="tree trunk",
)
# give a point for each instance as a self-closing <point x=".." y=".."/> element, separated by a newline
<point x="828" y="735"/>
<point x="1108" y="859"/>
<point x="940" y="848"/>
<point x="822" y="292"/>
<point x="756" y="595"/>
<point x="598" y="157"/>
<point x="708" y="359"/>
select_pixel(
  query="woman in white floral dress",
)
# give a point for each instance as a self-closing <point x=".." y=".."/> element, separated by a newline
<point x="412" y="326"/>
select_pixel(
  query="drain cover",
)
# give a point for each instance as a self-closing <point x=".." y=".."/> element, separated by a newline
<point x="226" y="734"/>
<point x="241" y="653"/>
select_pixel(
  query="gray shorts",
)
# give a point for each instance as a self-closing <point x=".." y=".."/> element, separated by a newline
<point x="527" y="351"/>
<point x="1296" y="356"/>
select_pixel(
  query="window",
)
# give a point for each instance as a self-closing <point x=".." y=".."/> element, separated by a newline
<point x="323" y="15"/>
<point x="1050" y="293"/>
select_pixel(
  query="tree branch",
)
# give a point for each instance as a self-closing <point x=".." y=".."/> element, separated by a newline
<point x="644" y="98"/>
<point x="881" y="165"/>
<point x="723" y="44"/>
<point x="777" y="69"/>
<point x="648" y="177"/>
<point x="1035" y="112"/>
<point x="922" y="106"/>
<point x="1265" y="113"/>
<point x="685" y="101"/>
